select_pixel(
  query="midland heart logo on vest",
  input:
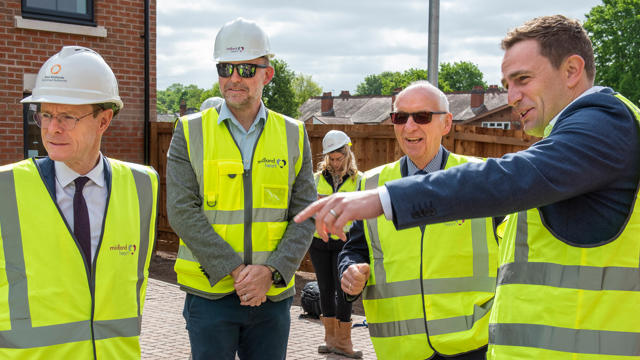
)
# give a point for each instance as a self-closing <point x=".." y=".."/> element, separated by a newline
<point x="272" y="163"/>
<point x="124" y="250"/>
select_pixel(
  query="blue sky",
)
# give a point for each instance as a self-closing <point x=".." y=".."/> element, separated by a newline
<point x="338" y="43"/>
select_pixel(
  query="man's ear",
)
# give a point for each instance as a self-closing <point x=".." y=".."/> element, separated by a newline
<point x="573" y="70"/>
<point x="269" y="71"/>
<point x="448" y="122"/>
<point x="104" y="118"/>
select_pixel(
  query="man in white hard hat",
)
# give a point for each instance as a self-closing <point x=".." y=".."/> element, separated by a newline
<point x="236" y="177"/>
<point x="76" y="227"/>
<point x="214" y="101"/>
<point x="427" y="291"/>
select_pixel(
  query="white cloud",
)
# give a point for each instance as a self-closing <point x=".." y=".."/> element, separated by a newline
<point x="341" y="42"/>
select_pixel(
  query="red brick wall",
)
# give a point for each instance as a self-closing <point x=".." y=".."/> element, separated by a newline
<point x="24" y="51"/>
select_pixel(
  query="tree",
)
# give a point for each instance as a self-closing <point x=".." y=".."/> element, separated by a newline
<point x="278" y="95"/>
<point x="214" y="91"/>
<point x="460" y="76"/>
<point x="304" y="88"/>
<point x="168" y="101"/>
<point x="614" y="27"/>
<point x="386" y="82"/>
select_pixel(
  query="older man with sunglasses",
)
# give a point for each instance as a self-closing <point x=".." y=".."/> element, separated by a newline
<point x="237" y="174"/>
<point x="424" y="298"/>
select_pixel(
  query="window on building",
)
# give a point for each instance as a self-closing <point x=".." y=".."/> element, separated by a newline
<point x="66" y="11"/>
<point x="32" y="141"/>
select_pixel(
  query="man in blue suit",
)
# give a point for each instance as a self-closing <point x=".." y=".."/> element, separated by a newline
<point x="572" y="242"/>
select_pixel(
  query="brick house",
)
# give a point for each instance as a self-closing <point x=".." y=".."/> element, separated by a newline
<point x="479" y="107"/>
<point x="31" y="31"/>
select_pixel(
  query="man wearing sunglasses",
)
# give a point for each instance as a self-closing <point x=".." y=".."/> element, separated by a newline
<point x="410" y="278"/>
<point x="237" y="173"/>
<point x="568" y="283"/>
<point x="76" y="228"/>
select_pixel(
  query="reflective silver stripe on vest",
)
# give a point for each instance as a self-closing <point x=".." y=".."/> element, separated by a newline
<point x="22" y="334"/>
<point x="568" y="340"/>
<point x="259" y="257"/>
<point x="107" y="329"/>
<point x="293" y="150"/>
<point x="196" y="155"/>
<point x="595" y="278"/>
<point x="431" y="287"/>
<point x="144" y="189"/>
<point x="436" y="327"/>
<point x="376" y="247"/>
<point x="235" y="217"/>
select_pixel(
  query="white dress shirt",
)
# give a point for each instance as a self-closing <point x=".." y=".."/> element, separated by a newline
<point x="95" y="195"/>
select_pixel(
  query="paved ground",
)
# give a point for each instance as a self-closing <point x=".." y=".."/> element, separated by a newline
<point x="164" y="335"/>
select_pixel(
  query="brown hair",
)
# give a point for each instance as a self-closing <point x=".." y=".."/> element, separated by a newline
<point x="559" y="37"/>
<point x="350" y="166"/>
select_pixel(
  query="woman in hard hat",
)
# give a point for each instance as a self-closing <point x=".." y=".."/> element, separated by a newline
<point x="336" y="172"/>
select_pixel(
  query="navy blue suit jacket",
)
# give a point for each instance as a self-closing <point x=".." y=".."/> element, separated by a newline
<point x="583" y="177"/>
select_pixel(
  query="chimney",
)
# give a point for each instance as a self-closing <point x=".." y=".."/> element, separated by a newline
<point x="477" y="96"/>
<point x="493" y="88"/>
<point x="395" y="92"/>
<point x="326" y="103"/>
<point x="183" y="107"/>
<point x="344" y="94"/>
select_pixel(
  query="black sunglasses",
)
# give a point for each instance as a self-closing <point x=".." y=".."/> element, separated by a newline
<point x="225" y="70"/>
<point x="420" y="117"/>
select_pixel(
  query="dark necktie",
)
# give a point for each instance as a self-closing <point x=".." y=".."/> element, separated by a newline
<point x="420" y="172"/>
<point x="81" y="226"/>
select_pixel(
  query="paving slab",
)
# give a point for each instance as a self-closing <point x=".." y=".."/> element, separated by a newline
<point x="164" y="336"/>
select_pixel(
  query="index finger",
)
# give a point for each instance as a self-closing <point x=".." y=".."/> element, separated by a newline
<point x="310" y="210"/>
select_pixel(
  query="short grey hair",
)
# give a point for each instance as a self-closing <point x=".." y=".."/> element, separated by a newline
<point x="426" y="86"/>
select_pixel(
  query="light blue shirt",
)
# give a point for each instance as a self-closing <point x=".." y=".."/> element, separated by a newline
<point x="95" y="196"/>
<point x="433" y="165"/>
<point x="246" y="140"/>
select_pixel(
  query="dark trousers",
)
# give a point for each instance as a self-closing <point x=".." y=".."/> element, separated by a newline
<point x="220" y="328"/>
<point x="324" y="257"/>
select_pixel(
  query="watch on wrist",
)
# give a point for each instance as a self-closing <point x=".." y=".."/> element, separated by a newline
<point x="275" y="275"/>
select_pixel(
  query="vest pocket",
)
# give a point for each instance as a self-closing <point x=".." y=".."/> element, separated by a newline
<point x="274" y="196"/>
<point x="223" y="184"/>
<point x="275" y="231"/>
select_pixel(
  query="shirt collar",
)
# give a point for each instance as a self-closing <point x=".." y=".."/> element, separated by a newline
<point x="65" y="175"/>
<point x="593" y="89"/>
<point x="433" y="165"/>
<point x="226" y="114"/>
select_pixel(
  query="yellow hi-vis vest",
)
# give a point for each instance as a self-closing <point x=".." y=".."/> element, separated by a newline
<point x="325" y="189"/>
<point x="248" y="209"/>
<point x="429" y="290"/>
<point x="51" y="305"/>
<point x="560" y="301"/>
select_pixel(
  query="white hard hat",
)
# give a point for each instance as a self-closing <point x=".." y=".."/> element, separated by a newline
<point x="334" y="140"/>
<point x="211" y="102"/>
<point x="75" y="76"/>
<point x="240" y="40"/>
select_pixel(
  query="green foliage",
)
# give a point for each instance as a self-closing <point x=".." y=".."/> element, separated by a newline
<point x="614" y="27"/>
<point x="386" y="82"/>
<point x="168" y="101"/>
<point x="278" y="95"/>
<point x="214" y="91"/>
<point x="460" y="76"/>
<point x="304" y="88"/>
<point x="452" y="77"/>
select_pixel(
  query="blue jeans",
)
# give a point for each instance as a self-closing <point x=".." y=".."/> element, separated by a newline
<point x="220" y="328"/>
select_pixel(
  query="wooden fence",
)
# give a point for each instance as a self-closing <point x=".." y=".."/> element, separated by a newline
<point x="373" y="145"/>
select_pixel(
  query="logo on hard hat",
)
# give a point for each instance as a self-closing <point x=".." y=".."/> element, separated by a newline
<point x="56" y="68"/>
<point x="237" y="49"/>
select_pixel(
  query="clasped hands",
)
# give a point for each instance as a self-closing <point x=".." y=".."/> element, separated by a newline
<point x="251" y="283"/>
